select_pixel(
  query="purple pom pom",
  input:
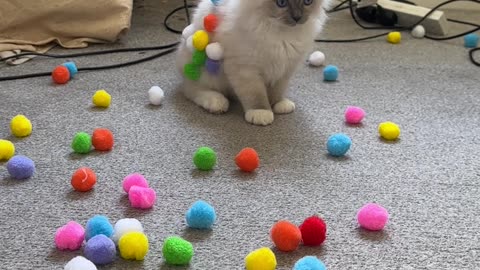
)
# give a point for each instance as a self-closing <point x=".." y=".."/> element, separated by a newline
<point x="212" y="66"/>
<point x="20" y="167"/>
<point x="100" y="250"/>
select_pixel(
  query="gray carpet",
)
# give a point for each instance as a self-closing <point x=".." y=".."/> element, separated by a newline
<point x="428" y="180"/>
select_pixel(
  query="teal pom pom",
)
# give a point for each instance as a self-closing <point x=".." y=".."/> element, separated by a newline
<point x="309" y="263"/>
<point x="330" y="73"/>
<point x="201" y="215"/>
<point x="338" y="144"/>
<point x="471" y="40"/>
<point x="98" y="225"/>
<point x="72" y="68"/>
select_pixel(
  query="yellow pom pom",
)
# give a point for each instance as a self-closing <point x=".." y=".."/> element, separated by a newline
<point x="200" y="40"/>
<point x="394" y="37"/>
<point x="7" y="150"/>
<point x="133" y="246"/>
<point x="20" y="126"/>
<point x="101" y="98"/>
<point x="389" y="131"/>
<point x="261" y="259"/>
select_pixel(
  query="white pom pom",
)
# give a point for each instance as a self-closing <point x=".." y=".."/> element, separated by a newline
<point x="190" y="43"/>
<point x="317" y="58"/>
<point x="214" y="51"/>
<point x="80" y="263"/>
<point x="126" y="225"/>
<point x="156" y="95"/>
<point x="188" y="31"/>
<point x="418" y="31"/>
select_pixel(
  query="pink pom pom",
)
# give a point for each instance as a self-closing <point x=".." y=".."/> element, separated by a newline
<point x="354" y="115"/>
<point x="70" y="236"/>
<point x="142" y="197"/>
<point x="372" y="217"/>
<point x="134" y="179"/>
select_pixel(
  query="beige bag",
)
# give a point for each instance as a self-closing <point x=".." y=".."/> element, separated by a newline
<point x="39" y="25"/>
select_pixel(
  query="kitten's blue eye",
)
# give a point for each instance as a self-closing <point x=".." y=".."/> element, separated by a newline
<point x="283" y="3"/>
<point x="307" y="2"/>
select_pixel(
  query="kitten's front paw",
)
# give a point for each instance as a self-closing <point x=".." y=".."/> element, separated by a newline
<point x="213" y="102"/>
<point x="284" y="106"/>
<point x="259" y="117"/>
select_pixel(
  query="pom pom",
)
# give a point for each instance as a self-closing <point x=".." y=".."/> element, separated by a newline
<point x="177" y="251"/>
<point x="98" y="225"/>
<point x="83" y="179"/>
<point x="389" y="130"/>
<point x="314" y="231"/>
<point x="309" y="263"/>
<point x="338" y="144"/>
<point x="155" y="95"/>
<point x="330" y="73"/>
<point x="317" y="58"/>
<point x="20" y="167"/>
<point x="200" y="40"/>
<point x="72" y="68"/>
<point x="205" y="158"/>
<point x="286" y="236"/>
<point x="189" y="43"/>
<point x="192" y="72"/>
<point x="201" y="215"/>
<point x="60" y="75"/>
<point x="70" y="236"/>
<point x="261" y="259"/>
<point x="188" y="31"/>
<point x="216" y="2"/>
<point x="354" y="115"/>
<point x="199" y="58"/>
<point x="82" y="143"/>
<point x="394" y="37"/>
<point x="471" y="40"/>
<point x="101" y="98"/>
<point x="133" y="246"/>
<point x="418" y="31"/>
<point x="102" y="139"/>
<point x="141" y="197"/>
<point x="213" y="67"/>
<point x="247" y="160"/>
<point x="372" y="217"/>
<point x="134" y="179"/>
<point x="100" y="250"/>
<point x="124" y="226"/>
<point x="80" y="263"/>
<point x="7" y="150"/>
<point x="214" y="51"/>
<point x="210" y="22"/>
<point x="20" y="126"/>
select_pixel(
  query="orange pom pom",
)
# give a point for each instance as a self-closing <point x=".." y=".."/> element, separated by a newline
<point x="61" y="75"/>
<point x="247" y="160"/>
<point x="210" y="22"/>
<point x="102" y="139"/>
<point x="286" y="236"/>
<point x="83" y="179"/>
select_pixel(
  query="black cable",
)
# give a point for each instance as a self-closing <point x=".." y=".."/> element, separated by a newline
<point x="470" y="54"/>
<point x="187" y="12"/>
<point x="165" y="21"/>
<point x="338" y="7"/>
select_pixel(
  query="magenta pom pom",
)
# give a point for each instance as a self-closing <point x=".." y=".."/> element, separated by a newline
<point x="70" y="236"/>
<point x="142" y="197"/>
<point x="354" y="115"/>
<point x="372" y="217"/>
<point x="134" y="179"/>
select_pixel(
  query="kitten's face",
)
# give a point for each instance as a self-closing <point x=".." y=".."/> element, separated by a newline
<point x="292" y="12"/>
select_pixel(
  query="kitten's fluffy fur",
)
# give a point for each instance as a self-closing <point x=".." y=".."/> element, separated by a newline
<point x="263" y="45"/>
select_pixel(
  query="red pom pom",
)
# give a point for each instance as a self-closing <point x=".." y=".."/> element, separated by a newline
<point x="247" y="160"/>
<point x="102" y="139"/>
<point x="210" y="22"/>
<point x="286" y="236"/>
<point x="61" y="75"/>
<point x="314" y="231"/>
<point x="83" y="179"/>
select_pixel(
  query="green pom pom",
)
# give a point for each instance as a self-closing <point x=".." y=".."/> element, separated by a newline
<point x="192" y="71"/>
<point x="199" y="58"/>
<point x="205" y="158"/>
<point x="82" y="143"/>
<point x="177" y="251"/>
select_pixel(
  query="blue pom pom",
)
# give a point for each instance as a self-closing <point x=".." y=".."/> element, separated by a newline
<point x="72" y="68"/>
<point x="20" y="167"/>
<point x="471" y="40"/>
<point x="98" y="225"/>
<point x="330" y="73"/>
<point x="215" y="2"/>
<point x="338" y="144"/>
<point x="100" y="250"/>
<point x="309" y="263"/>
<point x="201" y="215"/>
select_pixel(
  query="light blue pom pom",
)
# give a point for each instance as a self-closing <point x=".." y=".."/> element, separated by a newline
<point x="201" y="215"/>
<point x="471" y="40"/>
<point x="98" y="225"/>
<point x="330" y="73"/>
<point x="72" y="68"/>
<point x="309" y="263"/>
<point x="338" y="144"/>
<point x="216" y="2"/>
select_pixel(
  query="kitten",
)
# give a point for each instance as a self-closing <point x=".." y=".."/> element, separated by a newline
<point x="263" y="41"/>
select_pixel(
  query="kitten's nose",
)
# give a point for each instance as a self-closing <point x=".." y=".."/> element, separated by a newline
<point x="296" y="18"/>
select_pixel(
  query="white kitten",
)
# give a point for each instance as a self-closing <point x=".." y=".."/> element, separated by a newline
<point x="263" y="43"/>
